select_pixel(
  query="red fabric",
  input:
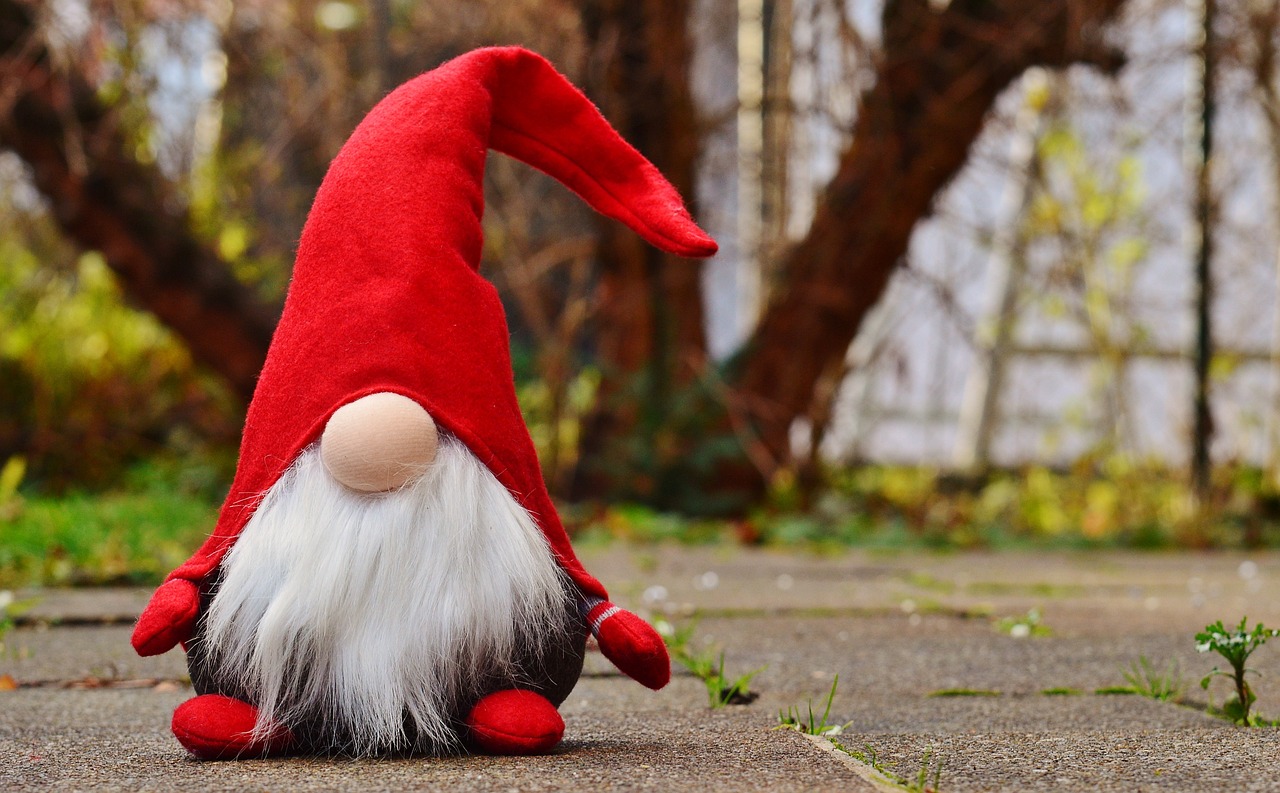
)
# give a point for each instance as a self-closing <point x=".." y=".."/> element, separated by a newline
<point x="515" y="722"/>
<point x="169" y="618"/>
<point x="214" y="727"/>
<point x="386" y="295"/>
<point x="632" y="645"/>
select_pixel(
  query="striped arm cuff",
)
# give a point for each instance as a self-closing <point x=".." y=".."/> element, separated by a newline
<point x="596" y="611"/>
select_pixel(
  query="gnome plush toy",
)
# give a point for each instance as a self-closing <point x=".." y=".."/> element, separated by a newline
<point x="388" y="573"/>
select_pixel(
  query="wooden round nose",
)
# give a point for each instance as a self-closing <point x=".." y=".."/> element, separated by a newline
<point x="379" y="442"/>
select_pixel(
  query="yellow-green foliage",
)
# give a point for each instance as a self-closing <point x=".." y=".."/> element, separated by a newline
<point x="1107" y="502"/>
<point x="88" y="384"/>
<point x="1110" y="501"/>
<point x="554" y="414"/>
<point x="73" y="324"/>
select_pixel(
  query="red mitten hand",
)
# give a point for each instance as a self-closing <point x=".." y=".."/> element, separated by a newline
<point x="169" y="618"/>
<point x="631" y="644"/>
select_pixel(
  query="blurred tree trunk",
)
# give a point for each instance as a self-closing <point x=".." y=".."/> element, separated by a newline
<point x="649" y="316"/>
<point x="1264" y="22"/>
<point x="105" y="200"/>
<point x="777" y="130"/>
<point x="942" y="68"/>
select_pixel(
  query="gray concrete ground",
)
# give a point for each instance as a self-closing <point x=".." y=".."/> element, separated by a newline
<point x="897" y="629"/>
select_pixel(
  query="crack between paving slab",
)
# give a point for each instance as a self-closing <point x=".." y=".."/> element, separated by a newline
<point x="860" y="769"/>
<point x="93" y="683"/>
<point x="842" y="611"/>
<point x="39" y="621"/>
<point x="728" y="612"/>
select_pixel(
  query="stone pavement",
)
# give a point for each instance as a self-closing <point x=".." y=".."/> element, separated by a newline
<point x="897" y="629"/>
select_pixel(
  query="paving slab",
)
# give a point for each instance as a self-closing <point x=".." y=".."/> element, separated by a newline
<point x="45" y="654"/>
<point x="898" y="630"/>
<point x="1080" y="760"/>
<point x="117" y="740"/>
<point x="86" y="606"/>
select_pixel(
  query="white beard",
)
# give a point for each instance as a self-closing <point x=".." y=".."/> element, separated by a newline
<point x="359" y="615"/>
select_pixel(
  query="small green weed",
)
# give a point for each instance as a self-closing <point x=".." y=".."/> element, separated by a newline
<point x="1061" y="692"/>
<point x="1115" y="691"/>
<point x="723" y="690"/>
<point x="926" y="581"/>
<point x="790" y="719"/>
<point x="964" y="692"/>
<point x="10" y="608"/>
<point x="1164" y="685"/>
<point x="1235" y="646"/>
<point x="6" y="620"/>
<point x="927" y="780"/>
<point x="703" y="664"/>
<point x="676" y="638"/>
<point x="1029" y="624"/>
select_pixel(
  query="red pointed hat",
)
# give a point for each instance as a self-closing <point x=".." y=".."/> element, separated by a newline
<point x="386" y="293"/>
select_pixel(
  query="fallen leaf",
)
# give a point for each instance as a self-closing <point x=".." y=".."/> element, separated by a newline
<point x="7" y="683"/>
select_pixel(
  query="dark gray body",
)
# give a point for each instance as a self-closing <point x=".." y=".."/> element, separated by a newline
<point x="551" y="670"/>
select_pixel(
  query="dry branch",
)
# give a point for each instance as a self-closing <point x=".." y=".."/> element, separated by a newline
<point x="941" y="71"/>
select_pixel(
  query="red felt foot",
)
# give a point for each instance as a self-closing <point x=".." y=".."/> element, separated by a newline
<point x="515" y="722"/>
<point x="214" y="727"/>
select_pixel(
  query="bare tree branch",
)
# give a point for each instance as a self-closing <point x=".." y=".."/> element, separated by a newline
<point x="941" y="71"/>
